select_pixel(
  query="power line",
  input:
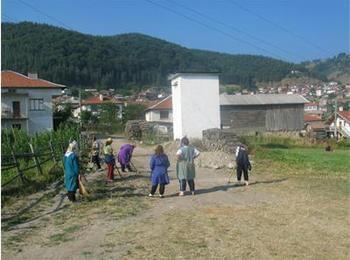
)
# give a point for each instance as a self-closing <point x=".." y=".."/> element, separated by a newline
<point x="234" y="28"/>
<point x="45" y="14"/>
<point x="10" y="18"/>
<point x="213" y="28"/>
<point x="310" y="43"/>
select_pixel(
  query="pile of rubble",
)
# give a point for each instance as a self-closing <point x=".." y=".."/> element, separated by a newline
<point x="133" y="130"/>
<point x="207" y="159"/>
<point x="220" y="140"/>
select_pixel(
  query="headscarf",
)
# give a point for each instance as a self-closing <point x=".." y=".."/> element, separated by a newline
<point x="71" y="148"/>
<point x="109" y="141"/>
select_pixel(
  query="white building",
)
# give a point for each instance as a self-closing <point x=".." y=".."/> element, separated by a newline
<point x="311" y="106"/>
<point x="26" y="102"/>
<point x="342" y="123"/>
<point x="196" y="103"/>
<point x="161" y="111"/>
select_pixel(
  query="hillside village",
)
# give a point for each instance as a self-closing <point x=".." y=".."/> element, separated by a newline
<point x="175" y="130"/>
<point x="320" y="103"/>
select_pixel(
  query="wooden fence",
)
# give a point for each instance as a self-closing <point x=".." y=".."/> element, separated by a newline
<point x="39" y="156"/>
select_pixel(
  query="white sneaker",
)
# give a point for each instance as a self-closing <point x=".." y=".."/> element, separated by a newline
<point x="193" y="193"/>
<point x="161" y="196"/>
<point x="181" y="193"/>
<point x="246" y="183"/>
<point x="150" y="195"/>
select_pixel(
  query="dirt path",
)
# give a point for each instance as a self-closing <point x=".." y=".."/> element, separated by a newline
<point x="274" y="217"/>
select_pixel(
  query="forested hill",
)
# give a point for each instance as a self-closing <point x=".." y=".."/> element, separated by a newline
<point x="121" y="61"/>
<point x="336" y="68"/>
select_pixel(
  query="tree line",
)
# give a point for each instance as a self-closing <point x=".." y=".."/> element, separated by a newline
<point x="123" y="61"/>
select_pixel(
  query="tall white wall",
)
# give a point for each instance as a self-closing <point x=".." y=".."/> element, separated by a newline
<point x="196" y="104"/>
<point x="176" y="101"/>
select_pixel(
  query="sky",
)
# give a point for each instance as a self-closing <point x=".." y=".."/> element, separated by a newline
<point x="292" y="30"/>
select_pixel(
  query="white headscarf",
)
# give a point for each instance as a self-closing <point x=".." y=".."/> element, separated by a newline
<point x="71" y="148"/>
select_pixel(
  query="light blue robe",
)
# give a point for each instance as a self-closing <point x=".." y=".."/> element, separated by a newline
<point x="71" y="171"/>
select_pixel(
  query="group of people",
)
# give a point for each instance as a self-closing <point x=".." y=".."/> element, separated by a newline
<point x="159" y="164"/>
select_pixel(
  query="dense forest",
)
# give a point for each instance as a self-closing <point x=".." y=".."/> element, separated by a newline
<point x="123" y="61"/>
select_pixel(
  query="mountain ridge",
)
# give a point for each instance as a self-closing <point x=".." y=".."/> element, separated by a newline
<point x="128" y="60"/>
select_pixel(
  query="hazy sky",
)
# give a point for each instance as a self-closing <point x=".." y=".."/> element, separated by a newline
<point x="293" y="30"/>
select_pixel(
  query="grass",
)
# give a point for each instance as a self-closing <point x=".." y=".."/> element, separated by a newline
<point x="309" y="160"/>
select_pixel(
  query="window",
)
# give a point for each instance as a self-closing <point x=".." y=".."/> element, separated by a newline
<point x="36" y="104"/>
<point x="164" y="114"/>
<point x="17" y="126"/>
<point x="16" y="108"/>
<point x="12" y="91"/>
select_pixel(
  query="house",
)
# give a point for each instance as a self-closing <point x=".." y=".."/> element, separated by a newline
<point x="26" y="101"/>
<point x="195" y="98"/>
<point x="161" y="111"/>
<point x="262" y="112"/>
<point x="342" y="124"/>
<point x="315" y="126"/>
<point x="94" y="105"/>
<point x="312" y="107"/>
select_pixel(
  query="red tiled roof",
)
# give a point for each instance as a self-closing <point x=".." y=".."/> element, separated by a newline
<point x="345" y="115"/>
<point x="11" y="79"/>
<point x="164" y="104"/>
<point x="312" y="117"/>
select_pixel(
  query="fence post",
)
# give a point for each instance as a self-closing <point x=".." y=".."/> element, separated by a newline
<point x="20" y="173"/>
<point x="52" y="149"/>
<point x="36" y="159"/>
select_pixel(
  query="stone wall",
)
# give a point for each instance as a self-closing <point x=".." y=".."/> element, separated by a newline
<point x="220" y="140"/>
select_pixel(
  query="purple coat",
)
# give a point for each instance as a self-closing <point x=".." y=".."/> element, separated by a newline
<point x="125" y="153"/>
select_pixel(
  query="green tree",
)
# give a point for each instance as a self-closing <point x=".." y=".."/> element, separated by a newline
<point x="133" y="112"/>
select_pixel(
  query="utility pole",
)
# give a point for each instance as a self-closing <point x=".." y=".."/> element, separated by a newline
<point x="335" y="119"/>
<point x="80" y="122"/>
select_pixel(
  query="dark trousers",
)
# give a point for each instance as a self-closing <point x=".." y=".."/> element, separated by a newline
<point x="71" y="195"/>
<point x="161" y="189"/>
<point x="241" y="169"/>
<point x="110" y="171"/>
<point x="123" y="166"/>
<point x="183" y="185"/>
<point x="96" y="160"/>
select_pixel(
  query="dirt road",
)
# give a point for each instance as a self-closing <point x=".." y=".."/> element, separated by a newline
<point x="277" y="216"/>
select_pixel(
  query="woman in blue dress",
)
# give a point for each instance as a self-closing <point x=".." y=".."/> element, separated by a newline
<point x="71" y="171"/>
<point x="159" y="165"/>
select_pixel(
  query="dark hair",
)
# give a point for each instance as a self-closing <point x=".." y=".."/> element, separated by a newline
<point x="185" y="141"/>
<point x="159" y="150"/>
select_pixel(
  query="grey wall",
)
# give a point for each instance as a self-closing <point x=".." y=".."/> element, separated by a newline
<point x="263" y="117"/>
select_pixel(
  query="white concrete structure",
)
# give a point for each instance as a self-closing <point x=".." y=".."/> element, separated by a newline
<point x="26" y="102"/>
<point x="196" y="103"/>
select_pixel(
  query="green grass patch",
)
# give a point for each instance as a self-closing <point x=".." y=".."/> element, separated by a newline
<point x="310" y="160"/>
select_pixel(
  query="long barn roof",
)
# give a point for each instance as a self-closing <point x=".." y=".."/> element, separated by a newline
<point x="261" y="99"/>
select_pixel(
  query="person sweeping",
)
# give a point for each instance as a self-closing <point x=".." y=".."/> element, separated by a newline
<point x="243" y="163"/>
<point x="71" y="171"/>
<point x="109" y="159"/>
<point x="124" y="156"/>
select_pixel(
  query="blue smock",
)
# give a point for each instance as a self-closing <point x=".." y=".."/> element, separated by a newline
<point x="159" y="165"/>
<point x="71" y="171"/>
